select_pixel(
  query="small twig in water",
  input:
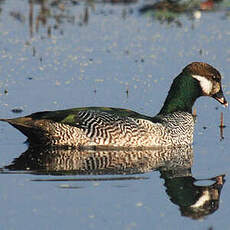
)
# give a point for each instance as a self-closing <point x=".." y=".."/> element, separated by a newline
<point x="221" y="126"/>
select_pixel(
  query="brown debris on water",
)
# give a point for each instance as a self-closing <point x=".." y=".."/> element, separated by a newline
<point x="222" y="120"/>
<point x="17" y="110"/>
<point x="31" y="17"/>
<point x="49" y="31"/>
<point x="127" y="92"/>
<point x="221" y="126"/>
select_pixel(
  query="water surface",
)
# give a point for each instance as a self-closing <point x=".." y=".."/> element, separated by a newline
<point x="109" y="53"/>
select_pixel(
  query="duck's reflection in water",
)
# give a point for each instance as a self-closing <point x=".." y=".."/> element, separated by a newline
<point x="117" y="161"/>
<point x="174" y="165"/>
<point x="194" y="200"/>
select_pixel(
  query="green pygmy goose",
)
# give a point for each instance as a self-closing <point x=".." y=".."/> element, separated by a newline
<point x="100" y="127"/>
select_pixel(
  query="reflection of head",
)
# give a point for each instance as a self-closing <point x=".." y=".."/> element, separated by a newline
<point x="205" y="205"/>
<point x="194" y="201"/>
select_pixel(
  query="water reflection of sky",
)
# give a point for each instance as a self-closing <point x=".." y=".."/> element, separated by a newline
<point x="66" y="54"/>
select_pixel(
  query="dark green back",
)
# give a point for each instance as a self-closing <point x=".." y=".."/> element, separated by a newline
<point x="69" y="116"/>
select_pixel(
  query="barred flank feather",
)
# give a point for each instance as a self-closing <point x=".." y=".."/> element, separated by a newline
<point x="94" y="128"/>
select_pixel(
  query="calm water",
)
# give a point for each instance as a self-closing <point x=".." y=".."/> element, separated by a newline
<point x="97" y="53"/>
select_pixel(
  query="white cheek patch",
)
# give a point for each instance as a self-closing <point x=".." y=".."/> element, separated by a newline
<point x="205" y="84"/>
<point x="204" y="198"/>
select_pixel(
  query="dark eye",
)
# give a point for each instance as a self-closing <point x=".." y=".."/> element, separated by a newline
<point x="215" y="78"/>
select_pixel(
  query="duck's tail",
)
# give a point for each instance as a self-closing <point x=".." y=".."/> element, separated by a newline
<point x="26" y="125"/>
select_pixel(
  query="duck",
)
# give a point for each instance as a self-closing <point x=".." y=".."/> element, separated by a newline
<point x="108" y="128"/>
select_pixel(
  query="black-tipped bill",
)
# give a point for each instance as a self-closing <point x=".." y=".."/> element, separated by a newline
<point x="220" y="97"/>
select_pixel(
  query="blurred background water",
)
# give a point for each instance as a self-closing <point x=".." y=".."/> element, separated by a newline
<point x="58" y="54"/>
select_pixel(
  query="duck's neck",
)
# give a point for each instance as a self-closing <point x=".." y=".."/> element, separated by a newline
<point x="182" y="95"/>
